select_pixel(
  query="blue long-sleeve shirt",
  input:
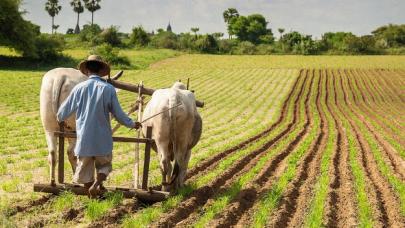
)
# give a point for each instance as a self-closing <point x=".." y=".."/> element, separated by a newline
<point x="93" y="100"/>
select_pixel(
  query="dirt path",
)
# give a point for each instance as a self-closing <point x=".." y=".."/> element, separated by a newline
<point x="200" y="196"/>
<point x="386" y="205"/>
<point x="296" y="199"/>
<point x="263" y="182"/>
<point x="340" y="211"/>
<point x="390" y="154"/>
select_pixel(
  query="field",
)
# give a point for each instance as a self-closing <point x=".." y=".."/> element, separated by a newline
<point x="287" y="140"/>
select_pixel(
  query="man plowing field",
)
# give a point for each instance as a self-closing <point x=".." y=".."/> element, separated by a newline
<point x="92" y="101"/>
<point x="83" y="99"/>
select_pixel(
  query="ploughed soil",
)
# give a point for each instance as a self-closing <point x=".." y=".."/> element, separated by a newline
<point x="357" y="97"/>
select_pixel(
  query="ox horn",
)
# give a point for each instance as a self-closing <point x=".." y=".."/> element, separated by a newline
<point x="115" y="77"/>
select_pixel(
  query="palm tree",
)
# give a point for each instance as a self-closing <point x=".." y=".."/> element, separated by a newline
<point x="53" y="8"/>
<point x="218" y="35"/>
<point x="281" y="31"/>
<point x="78" y="8"/>
<point x="195" y="30"/>
<point x="92" y="6"/>
<point x="228" y="15"/>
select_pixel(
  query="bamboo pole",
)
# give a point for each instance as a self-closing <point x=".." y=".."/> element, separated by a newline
<point x="147" y="158"/>
<point x="61" y="159"/>
<point x="137" y="148"/>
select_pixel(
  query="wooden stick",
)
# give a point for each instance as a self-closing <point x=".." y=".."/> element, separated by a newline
<point x="145" y="196"/>
<point x="147" y="158"/>
<point x="61" y="160"/>
<point x="132" y="110"/>
<point x="115" y="139"/>
<point x="136" y="164"/>
<point x="144" y="90"/>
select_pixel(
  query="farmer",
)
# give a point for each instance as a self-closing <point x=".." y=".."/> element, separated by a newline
<point x="92" y="101"/>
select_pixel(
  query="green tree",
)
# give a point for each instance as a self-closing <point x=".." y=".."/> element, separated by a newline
<point x="15" y="31"/>
<point x="207" y="44"/>
<point x="335" y="41"/>
<point x="229" y="15"/>
<point x="195" y="30"/>
<point x="110" y="35"/>
<point x="297" y="43"/>
<point x="92" y="6"/>
<point x="77" y="8"/>
<point x="360" y="45"/>
<point x="53" y="8"/>
<point x="89" y="33"/>
<point x="139" y="37"/>
<point x="252" y="28"/>
<point x="165" y="40"/>
<point x="218" y="35"/>
<point x="390" y="35"/>
<point x="24" y="36"/>
<point x="281" y="31"/>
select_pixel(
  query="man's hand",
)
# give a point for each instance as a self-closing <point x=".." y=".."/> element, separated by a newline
<point x="137" y="125"/>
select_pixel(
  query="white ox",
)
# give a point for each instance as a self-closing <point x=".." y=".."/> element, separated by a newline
<point x="175" y="131"/>
<point x="56" y="87"/>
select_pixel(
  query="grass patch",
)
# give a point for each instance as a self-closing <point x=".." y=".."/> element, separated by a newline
<point x="95" y="209"/>
<point x="64" y="201"/>
<point x="3" y="167"/>
<point x="10" y="185"/>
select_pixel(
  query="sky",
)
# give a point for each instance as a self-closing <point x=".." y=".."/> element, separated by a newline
<point x="312" y="17"/>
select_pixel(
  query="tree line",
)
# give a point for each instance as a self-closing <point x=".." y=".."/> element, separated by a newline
<point x="247" y="34"/>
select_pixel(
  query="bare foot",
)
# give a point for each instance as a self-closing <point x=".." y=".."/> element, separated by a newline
<point x="93" y="192"/>
<point x="102" y="190"/>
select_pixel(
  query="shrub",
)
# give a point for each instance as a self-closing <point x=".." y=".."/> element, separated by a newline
<point x="139" y="37"/>
<point x="226" y="46"/>
<point x="109" y="35"/>
<point x="70" y="31"/>
<point x="245" y="48"/>
<point x="207" y="44"/>
<point x="186" y="41"/>
<point x="265" y="49"/>
<point x="48" y="47"/>
<point x="164" y="40"/>
<point x="89" y="33"/>
<point x="111" y="55"/>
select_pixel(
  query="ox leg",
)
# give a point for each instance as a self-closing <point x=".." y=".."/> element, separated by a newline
<point x="52" y="145"/>
<point x="71" y="154"/>
<point x="182" y="160"/>
<point x="165" y="165"/>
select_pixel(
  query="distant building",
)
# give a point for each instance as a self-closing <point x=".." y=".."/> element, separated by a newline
<point x="169" y="28"/>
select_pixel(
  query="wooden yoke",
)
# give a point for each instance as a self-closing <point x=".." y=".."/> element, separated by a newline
<point x="145" y="91"/>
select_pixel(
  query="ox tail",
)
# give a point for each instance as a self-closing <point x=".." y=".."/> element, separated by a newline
<point x="173" y="138"/>
<point x="56" y="91"/>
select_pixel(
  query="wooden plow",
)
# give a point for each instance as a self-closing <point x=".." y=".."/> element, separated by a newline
<point x="140" y="187"/>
